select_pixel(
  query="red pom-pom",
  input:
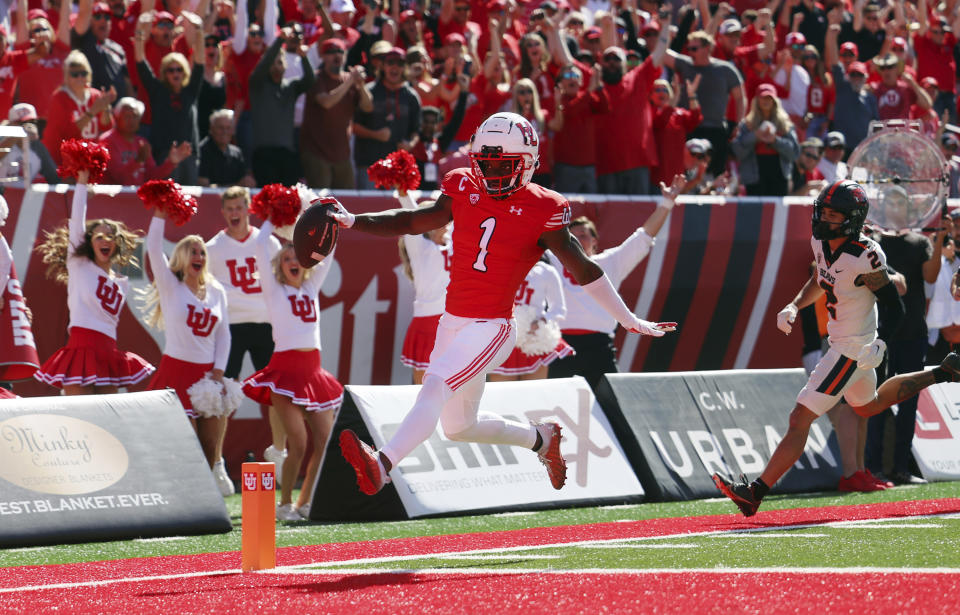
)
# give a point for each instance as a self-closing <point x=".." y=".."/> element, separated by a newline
<point x="398" y="170"/>
<point x="277" y="203"/>
<point x="83" y="155"/>
<point x="168" y="196"/>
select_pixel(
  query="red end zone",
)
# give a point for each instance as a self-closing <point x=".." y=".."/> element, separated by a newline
<point x="212" y="583"/>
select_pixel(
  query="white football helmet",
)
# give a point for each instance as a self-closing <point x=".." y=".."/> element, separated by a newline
<point x="504" y="153"/>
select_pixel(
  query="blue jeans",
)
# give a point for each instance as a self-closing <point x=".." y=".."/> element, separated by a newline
<point x="568" y="178"/>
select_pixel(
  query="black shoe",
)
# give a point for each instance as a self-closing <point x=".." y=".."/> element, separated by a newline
<point x="740" y="493"/>
<point x="951" y="365"/>
<point x="906" y="478"/>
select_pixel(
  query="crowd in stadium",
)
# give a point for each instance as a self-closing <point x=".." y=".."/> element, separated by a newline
<point x="746" y="97"/>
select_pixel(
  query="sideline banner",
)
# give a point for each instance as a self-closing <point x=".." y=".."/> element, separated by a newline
<point x="444" y="477"/>
<point x="104" y="467"/>
<point x="936" y="442"/>
<point x="679" y="428"/>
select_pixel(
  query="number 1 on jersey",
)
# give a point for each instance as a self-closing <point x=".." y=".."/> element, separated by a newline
<point x="487" y="225"/>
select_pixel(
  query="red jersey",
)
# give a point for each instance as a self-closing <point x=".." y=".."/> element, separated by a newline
<point x="40" y="81"/>
<point x="495" y="242"/>
<point x="820" y="96"/>
<point x="937" y="61"/>
<point x="62" y="118"/>
<point x="12" y="63"/>
<point x="124" y="168"/>
<point x="894" y="102"/>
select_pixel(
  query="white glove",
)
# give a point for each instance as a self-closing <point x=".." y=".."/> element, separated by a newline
<point x="871" y="355"/>
<point x="655" y="329"/>
<point x="343" y="217"/>
<point x="786" y="317"/>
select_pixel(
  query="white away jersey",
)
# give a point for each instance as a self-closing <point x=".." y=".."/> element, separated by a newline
<point x="294" y="312"/>
<point x="583" y="312"/>
<point x="197" y="329"/>
<point x="234" y="264"/>
<point x="94" y="296"/>
<point x="852" y="309"/>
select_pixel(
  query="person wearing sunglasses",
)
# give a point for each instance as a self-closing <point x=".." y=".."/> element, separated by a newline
<point x="173" y="94"/>
<point x="821" y="94"/>
<point x="37" y="84"/>
<point x="671" y="124"/>
<point x="831" y="164"/>
<point x="77" y="111"/>
<point x="856" y="106"/>
<point x="574" y="126"/>
<point x="934" y="43"/>
<point x="42" y="167"/>
<point x="806" y="179"/>
<point x="108" y="60"/>
<point x="13" y="62"/>
<point x="766" y="145"/>
<point x="897" y="90"/>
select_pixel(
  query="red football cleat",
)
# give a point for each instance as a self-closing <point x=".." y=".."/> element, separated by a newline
<point x="549" y="454"/>
<point x="370" y="475"/>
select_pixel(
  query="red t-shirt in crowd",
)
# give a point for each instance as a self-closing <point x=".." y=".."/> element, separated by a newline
<point x="937" y="61"/>
<point x="820" y="96"/>
<point x="237" y="69"/>
<point x="625" y="134"/>
<point x="576" y="143"/>
<point x="489" y="101"/>
<point x="893" y="102"/>
<point x="39" y="82"/>
<point x="671" y="125"/>
<point x="495" y="242"/>
<point x="929" y="121"/>
<point x="124" y="168"/>
<point x="12" y="63"/>
<point x="62" y="118"/>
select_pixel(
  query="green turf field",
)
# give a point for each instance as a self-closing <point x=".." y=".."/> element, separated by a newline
<point x="919" y="543"/>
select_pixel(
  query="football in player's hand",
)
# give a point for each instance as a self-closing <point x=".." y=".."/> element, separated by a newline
<point x="315" y="234"/>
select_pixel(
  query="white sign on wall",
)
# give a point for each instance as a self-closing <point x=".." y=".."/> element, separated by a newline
<point x="936" y="441"/>
<point x="443" y="476"/>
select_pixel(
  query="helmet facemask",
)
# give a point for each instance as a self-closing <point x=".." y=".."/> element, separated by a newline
<point x="500" y="172"/>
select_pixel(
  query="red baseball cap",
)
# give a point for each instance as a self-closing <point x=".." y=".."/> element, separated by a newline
<point x="851" y="47"/>
<point x="858" y="67"/>
<point x="37" y="14"/>
<point x="101" y="8"/>
<point x="331" y="44"/>
<point x="593" y="33"/>
<point x="766" y="89"/>
<point x="396" y="51"/>
<point x="796" y="38"/>
<point x="407" y="15"/>
<point x="454" y="38"/>
<point x="930" y="82"/>
<point x="163" y="16"/>
<point x="899" y="43"/>
<point x="650" y="26"/>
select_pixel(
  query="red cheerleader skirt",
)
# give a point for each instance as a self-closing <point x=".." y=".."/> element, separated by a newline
<point x="179" y="376"/>
<point x="92" y="358"/>
<point x="418" y="344"/>
<point x="297" y="375"/>
<point x="519" y="363"/>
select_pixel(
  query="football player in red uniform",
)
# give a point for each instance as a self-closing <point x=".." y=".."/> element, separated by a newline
<point x="502" y="225"/>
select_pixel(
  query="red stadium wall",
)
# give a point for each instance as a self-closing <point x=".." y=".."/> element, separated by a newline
<point x="722" y="270"/>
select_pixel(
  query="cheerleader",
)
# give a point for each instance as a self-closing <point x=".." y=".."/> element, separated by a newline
<point x="191" y="305"/>
<point x="294" y="382"/>
<point x="426" y="262"/>
<point x="537" y="307"/>
<point x="84" y="257"/>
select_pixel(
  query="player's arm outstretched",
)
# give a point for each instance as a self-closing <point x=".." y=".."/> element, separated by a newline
<point x="591" y="277"/>
<point x="810" y="292"/>
<point x="394" y="222"/>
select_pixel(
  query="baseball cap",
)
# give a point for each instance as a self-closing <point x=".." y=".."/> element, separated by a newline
<point x="407" y="15"/>
<point x="101" y="8"/>
<point x="835" y="138"/>
<point x="495" y="6"/>
<point x="650" y="26"/>
<point x="954" y="214"/>
<point x="899" y="44"/>
<point x="729" y="26"/>
<point x="766" y="89"/>
<point x="698" y="146"/>
<point x="454" y="38"/>
<point x="929" y="82"/>
<point x="617" y="51"/>
<point x="162" y="16"/>
<point x="549" y="5"/>
<point x="331" y="44"/>
<point x="795" y="38"/>
<point x="37" y="14"/>
<point x="858" y="67"/>
<point x="948" y="139"/>
<point x="342" y="6"/>
<point x="396" y="51"/>
<point x="22" y="112"/>
<point x="592" y="33"/>
<point x="380" y="48"/>
<point x="812" y="142"/>
<point x="849" y="47"/>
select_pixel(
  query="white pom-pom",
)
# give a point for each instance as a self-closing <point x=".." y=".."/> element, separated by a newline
<point x="4" y="210"/>
<point x="539" y="341"/>
<point x="205" y="395"/>
<point x="232" y="396"/>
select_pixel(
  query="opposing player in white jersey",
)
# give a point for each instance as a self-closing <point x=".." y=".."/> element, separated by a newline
<point x="851" y="272"/>
<point x="539" y="304"/>
<point x="426" y="261"/>
<point x="232" y="259"/>
<point x="587" y="327"/>
<point x="85" y="257"/>
<point x="502" y="225"/>
<point x="294" y="383"/>
<point x="191" y="306"/>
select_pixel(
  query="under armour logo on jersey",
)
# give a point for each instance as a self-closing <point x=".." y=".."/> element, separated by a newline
<point x="244" y="276"/>
<point x="302" y="308"/>
<point x="111" y="299"/>
<point x="474" y="199"/>
<point x="516" y="210"/>
<point x="200" y="322"/>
